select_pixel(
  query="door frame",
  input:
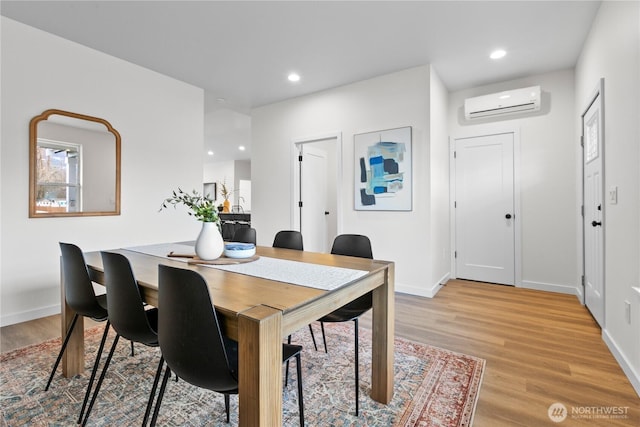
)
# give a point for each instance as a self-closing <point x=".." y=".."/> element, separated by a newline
<point x="295" y="176"/>
<point x="598" y="91"/>
<point x="479" y="131"/>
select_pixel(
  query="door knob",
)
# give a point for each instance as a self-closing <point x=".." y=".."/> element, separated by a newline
<point x="596" y="223"/>
<point x="508" y="216"/>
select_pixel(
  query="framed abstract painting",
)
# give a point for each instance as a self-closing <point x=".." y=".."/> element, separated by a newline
<point x="383" y="180"/>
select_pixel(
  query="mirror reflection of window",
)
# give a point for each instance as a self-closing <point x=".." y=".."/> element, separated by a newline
<point x="74" y="165"/>
<point x="59" y="185"/>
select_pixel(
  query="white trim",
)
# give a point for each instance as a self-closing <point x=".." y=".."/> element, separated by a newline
<point x="421" y="291"/>
<point x="295" y="180"/>
<point x="452" y="211"/>
<point x="25" y="316"/>
<point x="551" y="287"/>
<point x="627" y="368"/>
<point x="485" y="130"/>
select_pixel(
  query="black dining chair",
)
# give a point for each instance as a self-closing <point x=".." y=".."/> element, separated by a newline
<point x="129" y="317"/>
<point x="245" y="235"/>
<point x="292" y="239"/>
<point x="358" y="246"/>
<point x="288" y="239"/>
<point x="81" y="298"/>
<point x="192" y="342"/>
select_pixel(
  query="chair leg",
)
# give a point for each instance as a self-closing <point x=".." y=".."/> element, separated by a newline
<point x="156" y="380"/>
<point x="286" y="368"/>
<point x="132" y="352"/>
<point x="167" y="374"/>
<point x="64" y="346"/>
<point x="313" y="337"/>
<point x="300" y="398"/>
<point x="324" y="337"/>
<point x="226" y="406"/>
<point x="355" y="321"/>
<point x="94" y="371"/>
<point x="102" y="375"/>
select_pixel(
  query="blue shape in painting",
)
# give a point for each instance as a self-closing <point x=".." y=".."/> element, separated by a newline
<point x="366" y="199"/>
<point x="377" y="166"/>
<point x="390" y="166"/>
<point x="379" y="190"/>
<point x="383" y="176"/>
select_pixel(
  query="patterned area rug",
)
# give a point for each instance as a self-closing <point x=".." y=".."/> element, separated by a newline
<point x="433" y="387"/>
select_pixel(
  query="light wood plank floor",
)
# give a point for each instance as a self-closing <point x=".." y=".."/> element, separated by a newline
<point x="540" y="348"/>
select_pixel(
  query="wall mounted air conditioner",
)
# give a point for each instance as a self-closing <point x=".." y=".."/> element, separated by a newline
<point x="511" y="101"/>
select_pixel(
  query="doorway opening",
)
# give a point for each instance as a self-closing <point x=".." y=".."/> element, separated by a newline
<point x="317" y="193"/>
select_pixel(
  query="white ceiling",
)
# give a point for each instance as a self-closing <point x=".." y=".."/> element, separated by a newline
<point x="242" y="51"/>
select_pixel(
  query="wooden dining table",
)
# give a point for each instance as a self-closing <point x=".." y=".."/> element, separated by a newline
<point x="258" y="313"/>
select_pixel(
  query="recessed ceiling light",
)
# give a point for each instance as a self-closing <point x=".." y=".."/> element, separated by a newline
<point x="210" y="153"/>
<point x="293" y="77"/>
<point x="497" y="54"/>
<point x="241" y="148"/>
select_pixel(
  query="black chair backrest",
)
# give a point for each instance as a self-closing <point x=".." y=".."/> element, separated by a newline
<point x="288" y="239"/>
<point x="190" y="337"/>
<point x="124" y="302"/>
<point x="352" y="245"/>
<point x="78" y="290"/>
<point x="355" y="245"/>
<point x="245" y="235"/>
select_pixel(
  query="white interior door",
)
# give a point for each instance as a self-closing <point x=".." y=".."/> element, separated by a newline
<point x="313" y="217"/>
<point x="484" y="208"/>
<point x="593" y="210"/>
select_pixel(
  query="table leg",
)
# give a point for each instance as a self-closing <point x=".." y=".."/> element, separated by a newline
<point x="260" y="367"/>
<point x="73" y="358"/>
<point x="382" y="369"/>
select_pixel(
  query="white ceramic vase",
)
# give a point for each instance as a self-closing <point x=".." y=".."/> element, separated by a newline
<point x="209" y="244"/>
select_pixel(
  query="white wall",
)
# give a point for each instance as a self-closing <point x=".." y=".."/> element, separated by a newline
<point x="230" y="172"/>
<point x="390" y="101"/>
<point x="241" y="172"/>
<point x="439" y="160"/>
<point x="612" y="52"/>
<point x="548" y="195"/>
<point x="161" y="123"/>
<point x="219" y="172"/>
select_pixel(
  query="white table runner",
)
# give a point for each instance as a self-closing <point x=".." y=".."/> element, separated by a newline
<point x="299" y="273"/>
<point x="162" y="250"/>
<point x="281" y="270"/>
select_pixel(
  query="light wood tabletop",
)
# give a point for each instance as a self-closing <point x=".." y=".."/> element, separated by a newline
<point x="259" y="312"/>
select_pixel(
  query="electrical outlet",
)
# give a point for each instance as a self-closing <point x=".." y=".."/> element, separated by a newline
<point x="627" y="311"/>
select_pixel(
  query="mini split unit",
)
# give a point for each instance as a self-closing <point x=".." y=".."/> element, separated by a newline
<point x="508" y="102"/>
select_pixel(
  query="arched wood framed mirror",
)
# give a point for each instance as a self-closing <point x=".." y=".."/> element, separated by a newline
<point x="74" y="166"/>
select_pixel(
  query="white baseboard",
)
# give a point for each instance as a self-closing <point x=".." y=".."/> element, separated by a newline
<point x="25" y="316"/>
<point x="421" y="291"/>
<point x="627" y="368"/>
<point x="551" y="287"/>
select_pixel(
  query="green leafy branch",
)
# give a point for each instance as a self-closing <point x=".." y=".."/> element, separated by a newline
<point x="201" y="207"/>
